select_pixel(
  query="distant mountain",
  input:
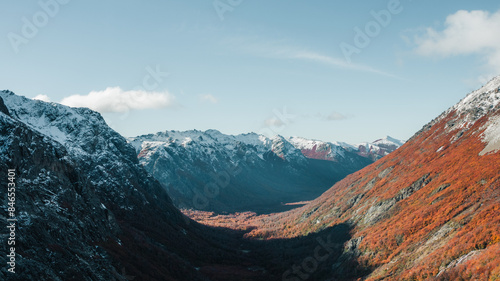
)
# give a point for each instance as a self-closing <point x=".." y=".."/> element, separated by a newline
<point x="428" y="211"/>
<point x="85" y="209"/>
<point x="249" y="172"/>
<point x="379" y="148"/>
<point x="332" y="150"/>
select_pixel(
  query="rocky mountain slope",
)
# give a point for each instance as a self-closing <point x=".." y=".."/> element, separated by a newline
<point x="212" y="171"/>
<point x="428" y="211"/>
<point x="85" y="208"/>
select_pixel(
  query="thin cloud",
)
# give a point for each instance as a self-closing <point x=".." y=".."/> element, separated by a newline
<point x="282" y="50"/>
<point x="338" y="62"/>
<point x="273" y="122"/>
<point x="208" y="99"/>
<point x="465" y="33"/>
<point x="42" y="98"/>
<point x="114" y="99"/>
<point x="335" y="116"/>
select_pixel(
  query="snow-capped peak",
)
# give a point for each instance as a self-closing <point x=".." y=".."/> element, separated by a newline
<point x="207" y="138"/>
<point x="40" y="115"/>
<point x="290" y="148"/>
<point x="379" y="148"/>
<point x="480" y="101"/>
<point x="318" y="149"/>
<point x="68" y="126"/>
<point x="388" y="140"/>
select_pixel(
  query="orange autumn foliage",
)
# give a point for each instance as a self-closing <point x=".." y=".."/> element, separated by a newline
<point x="452" y="210"/>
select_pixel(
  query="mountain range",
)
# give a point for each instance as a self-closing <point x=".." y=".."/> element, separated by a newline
<point x="249" y="172"/>
<point x="86" y="207"/>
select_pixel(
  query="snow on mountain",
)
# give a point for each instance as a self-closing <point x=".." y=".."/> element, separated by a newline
<point x="476" y="105"/>
<point x="333" y="151"/>
<point x="273" y="170"/>
<point x="427" y="211"/>
<point x="292" y="148"/>
<point x="205" y="141"/>
<point x="389" y="141"/>
<point x="318" y="149"/>
<point x="465" y="113"/>
<point x="285" y="150"/>
<point x="480" y="101"/>
<point x="379" y="148"/>
<point x="491" y="136"/>
<point x="79" y="187"/>
<point x="86" y="209"/>
<point x="70" y="127"/>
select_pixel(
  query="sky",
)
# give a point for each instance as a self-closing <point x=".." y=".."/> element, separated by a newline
<point x="330" y="70"/>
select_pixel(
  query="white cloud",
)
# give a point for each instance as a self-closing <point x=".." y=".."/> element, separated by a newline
<point x="334" y="116"/>
<point x="274" y="122"/>
<point x="465" y="33"/>
<point x="42" y="98"/>
<point x="208" y="98"/>
<point x="114" y="99"/>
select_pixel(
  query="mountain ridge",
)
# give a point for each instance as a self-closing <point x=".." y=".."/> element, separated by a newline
<point x="87" y="210"/>
<point x="256" y="139"/>
<point x="273" y="170"/>
<point x="429" y="210"/>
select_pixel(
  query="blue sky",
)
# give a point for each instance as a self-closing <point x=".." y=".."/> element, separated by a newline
<point x="262" y="66"/>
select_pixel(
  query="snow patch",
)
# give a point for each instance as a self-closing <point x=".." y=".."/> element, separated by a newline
<point x="491" y="136"/>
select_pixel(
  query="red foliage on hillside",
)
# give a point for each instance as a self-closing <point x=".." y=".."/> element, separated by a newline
<point x="430" y="209"/>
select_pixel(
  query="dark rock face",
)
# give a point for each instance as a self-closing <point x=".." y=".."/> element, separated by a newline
<point x="86" y="209"/>
<point x="55" y="209"/>
<point x="3" y="108"/>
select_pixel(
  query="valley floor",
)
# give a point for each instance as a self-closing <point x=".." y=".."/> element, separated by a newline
<point x="278" y="258"/>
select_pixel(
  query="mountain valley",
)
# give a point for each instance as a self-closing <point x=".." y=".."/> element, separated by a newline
<point x="93" y="205"/>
